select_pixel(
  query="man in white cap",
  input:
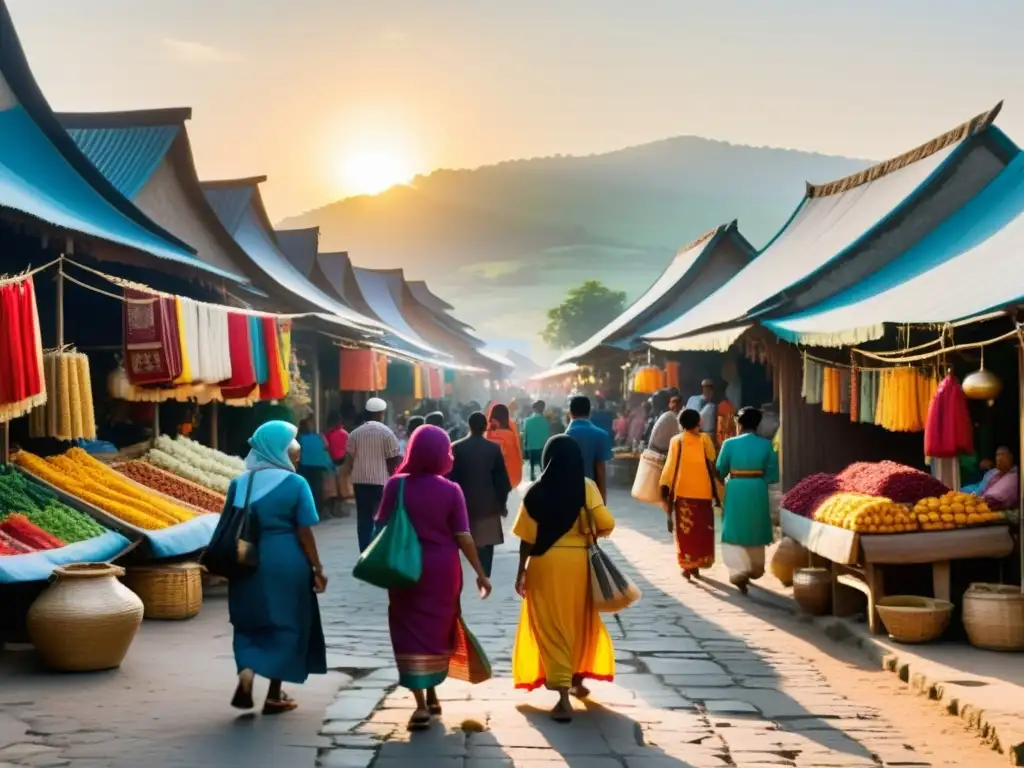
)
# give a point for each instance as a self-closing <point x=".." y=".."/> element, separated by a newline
<point x="373" y="455"/>
<point x="706" y="406"/>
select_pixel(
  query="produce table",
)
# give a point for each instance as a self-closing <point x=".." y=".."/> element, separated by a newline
<point x="858" y="560"/>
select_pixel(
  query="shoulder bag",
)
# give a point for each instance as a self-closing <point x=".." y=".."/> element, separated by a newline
<point x="610" y="588"/>
<point x="233" y="551"/>
<point x="394" y="559"/>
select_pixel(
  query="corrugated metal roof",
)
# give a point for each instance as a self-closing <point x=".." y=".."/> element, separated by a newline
<point x="126" y="156"/>
<point x="299" y="246"/>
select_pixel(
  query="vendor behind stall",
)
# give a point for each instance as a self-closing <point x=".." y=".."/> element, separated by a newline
<point x="1000" y="487"/>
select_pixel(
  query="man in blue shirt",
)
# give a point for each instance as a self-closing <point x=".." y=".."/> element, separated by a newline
<point x="594" y="442"/>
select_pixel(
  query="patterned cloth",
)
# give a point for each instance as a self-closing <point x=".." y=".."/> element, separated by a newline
<point x="371" y="446"/>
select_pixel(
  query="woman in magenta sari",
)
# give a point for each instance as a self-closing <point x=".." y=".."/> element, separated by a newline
<point x="423" y="619"/>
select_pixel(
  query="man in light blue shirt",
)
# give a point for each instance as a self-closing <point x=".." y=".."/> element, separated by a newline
<point x="705" y="405"/>
<point x="594" y="442"/>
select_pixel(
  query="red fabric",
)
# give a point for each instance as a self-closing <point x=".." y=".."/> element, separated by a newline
<point x="31" y="344"/>
<point x="274" y="388"/>
<point x="695" y="533"/>
<point x="436" y="384"/>
<point x="20" y="375"/>
<point x="948" y="431"/>
<point x="147" y="359"/>
<point x="243" y="368"/>
<point x="358" y="370"/>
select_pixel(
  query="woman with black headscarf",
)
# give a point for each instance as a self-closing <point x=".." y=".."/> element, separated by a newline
<point x="561" y="639"/>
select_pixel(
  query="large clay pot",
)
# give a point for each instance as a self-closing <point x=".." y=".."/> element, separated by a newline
<point x="812" y="590"/>
<point x="788" y="555"/>
<point x="86" y="619"/>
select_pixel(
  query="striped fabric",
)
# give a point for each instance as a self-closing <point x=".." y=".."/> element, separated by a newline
<point x="370" y="447"/>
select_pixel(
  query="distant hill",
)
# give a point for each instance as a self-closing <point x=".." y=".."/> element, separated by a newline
<point x="503" y="242"/>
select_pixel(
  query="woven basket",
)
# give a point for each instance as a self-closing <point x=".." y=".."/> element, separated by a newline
<point x="169" y="592"/>
<point x="912" y="619"/>
<point x="993" y="616"/>
<point x="85" y="620"/>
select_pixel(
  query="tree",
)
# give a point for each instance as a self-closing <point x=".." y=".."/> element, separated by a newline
<point x="586" y="309"/>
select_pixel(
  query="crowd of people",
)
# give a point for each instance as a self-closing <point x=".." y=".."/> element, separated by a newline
<point x="455" y="493"/>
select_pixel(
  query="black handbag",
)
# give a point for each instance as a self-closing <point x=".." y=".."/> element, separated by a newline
<point x="234" y="547"/>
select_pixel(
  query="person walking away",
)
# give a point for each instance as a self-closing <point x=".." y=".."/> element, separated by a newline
<point x="337" y="445"/>
<point x="560" y="640"/>
<point x="373" y="454"/>
<point x="502" y="431"/>
<point x="274" y="610"/>
<point x="688" y="491"/>
<point x="479" y="470"/>
<point x="704" y="404"/>
<point x="435" y="419"/>
<point x="749" y="465"/>
<point x="595" y="444"/>
<point x="536" y="432"/>
<point x="422" y="619"/>
<point x="314" y="461"/>
<point x="666" y="427"/>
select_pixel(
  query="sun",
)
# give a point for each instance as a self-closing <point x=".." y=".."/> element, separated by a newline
<point x="371" y="171"/>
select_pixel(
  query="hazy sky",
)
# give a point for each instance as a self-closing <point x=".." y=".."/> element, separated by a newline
<point x="300" y="90"/>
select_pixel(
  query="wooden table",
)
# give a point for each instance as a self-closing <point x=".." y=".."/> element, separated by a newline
<point x="858" y="561"/>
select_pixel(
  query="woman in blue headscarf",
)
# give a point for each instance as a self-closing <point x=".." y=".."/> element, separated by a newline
<point x="274" y="611"/>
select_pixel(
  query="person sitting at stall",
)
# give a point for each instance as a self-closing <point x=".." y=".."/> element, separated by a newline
<point x="1000" y="487"/>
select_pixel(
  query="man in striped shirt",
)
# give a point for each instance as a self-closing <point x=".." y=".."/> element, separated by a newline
<point x="373" y="455"/>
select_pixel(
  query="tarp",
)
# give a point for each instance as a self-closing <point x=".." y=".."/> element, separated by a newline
<point x="967" y="266"/>
<point x="698" y="268"/>
<point x="37" y="566"/>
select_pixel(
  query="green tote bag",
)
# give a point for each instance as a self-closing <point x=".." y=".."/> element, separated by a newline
<point x="394" y="559"/>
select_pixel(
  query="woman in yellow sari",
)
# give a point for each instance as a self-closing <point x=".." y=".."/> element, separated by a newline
<point x="689" y="487"/>
<point x="561" y="639"/>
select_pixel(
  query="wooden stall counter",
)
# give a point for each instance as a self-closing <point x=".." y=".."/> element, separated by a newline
<point x="858" y="561"/>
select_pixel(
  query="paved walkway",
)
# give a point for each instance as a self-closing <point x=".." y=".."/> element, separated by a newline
<point x="705" y="678"/>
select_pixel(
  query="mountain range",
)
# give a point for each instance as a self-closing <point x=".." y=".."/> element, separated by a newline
<point x="503" y="243"/>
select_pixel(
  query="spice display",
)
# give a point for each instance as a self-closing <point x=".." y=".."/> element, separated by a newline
<point x="68" y="413"/>
<point x="80" y="475"/>
<point x="804" y="497"/>
<point x="902" y="484"/>
<point x="948" y="431"/>
<point x="171" y="485"/>
<point x="191" y="460"/>
<point x="21" y="529"/>
<point x="954" y="510"/>
<point x="861" y="513"/>
<point x="43" y="508"/>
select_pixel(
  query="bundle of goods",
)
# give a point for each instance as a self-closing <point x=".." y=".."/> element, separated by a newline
<point x="954" y="510"/>
<point x="171" y="485"/>
<point x="84" y="477"/>
<point x="68" y="413"/>
<point x="22" y="531"/>
<point x="188" y="459"/>
<point x="902" y="484"/>
<point x="20" y="496"/>
<point x="861" y="513"/>
<point x="804" y="497"/>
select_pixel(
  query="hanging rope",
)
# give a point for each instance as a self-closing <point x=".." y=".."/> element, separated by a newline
<point x="6" y="280"/>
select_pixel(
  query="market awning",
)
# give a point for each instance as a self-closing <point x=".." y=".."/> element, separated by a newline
<point x="845" y="230"/>
<point x="147" y="155"/>
<point x="45" y="175"/>
<point x="566" y="369"/>
<point x="240" y="207"/>
<point x="383" y="296"/>
<point x="698" y="269"/>
<point x="968" y="266"/>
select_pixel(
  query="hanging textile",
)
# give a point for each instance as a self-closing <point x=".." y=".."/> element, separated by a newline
<point x="813" y="382"/>
<point x="436" y="384"/>
<point x="844" y="391"/>
<point x="401" y="379"/>
<point x="22" y="382"/>
<point x="283" y="328"/>
<point x="357" y="370"/>
<point x="672" y="369"/>
<point x="274" y="389"/>
<point x="148" y="339"/>
<point x="68" y="413"/>
<point x="192" y="369"/>
<point x="948" y="430"/>
<point x="380" y="372"/>
<point x="259" y="349"/>
<point x="242" y="381"/>
<point x="869" y="381"/>
<point x="417" y="382"/>
<point x="830" y="394"/>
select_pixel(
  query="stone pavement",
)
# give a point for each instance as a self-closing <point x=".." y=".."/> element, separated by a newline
<point x="705" y="678"/>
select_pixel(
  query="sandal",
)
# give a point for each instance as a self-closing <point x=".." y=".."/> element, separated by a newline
<point x="278" y="706"/>
<point x="420" y="721"/>
<point x="243" y="693"/>
<point x="561" y="714"/>
<point x="434" y="706"/>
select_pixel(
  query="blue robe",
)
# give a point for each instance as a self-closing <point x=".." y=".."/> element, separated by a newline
<point x="746" y="515"/>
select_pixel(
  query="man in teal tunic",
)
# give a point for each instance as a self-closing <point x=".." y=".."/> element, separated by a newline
<point x="749" y="464"/>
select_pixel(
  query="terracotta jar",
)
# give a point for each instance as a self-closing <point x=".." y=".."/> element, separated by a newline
<point x="812" y="590"/>
<point x="788" y="555"/>
<point x="86" y="619"/>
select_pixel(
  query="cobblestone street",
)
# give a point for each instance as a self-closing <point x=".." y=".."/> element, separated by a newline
<point x="705" y="678"/>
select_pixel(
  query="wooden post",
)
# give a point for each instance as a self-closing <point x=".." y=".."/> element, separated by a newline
<point x="214" y="425"/>
<point x="60" y="305"/>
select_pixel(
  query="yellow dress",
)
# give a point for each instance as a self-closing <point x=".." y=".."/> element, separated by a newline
<point x="560" y="633"/>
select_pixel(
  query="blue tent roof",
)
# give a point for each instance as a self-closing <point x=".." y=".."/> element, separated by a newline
<point x="126" y="156"/>
<point x="45" y="175"/>
<point x="938" y="280"/>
